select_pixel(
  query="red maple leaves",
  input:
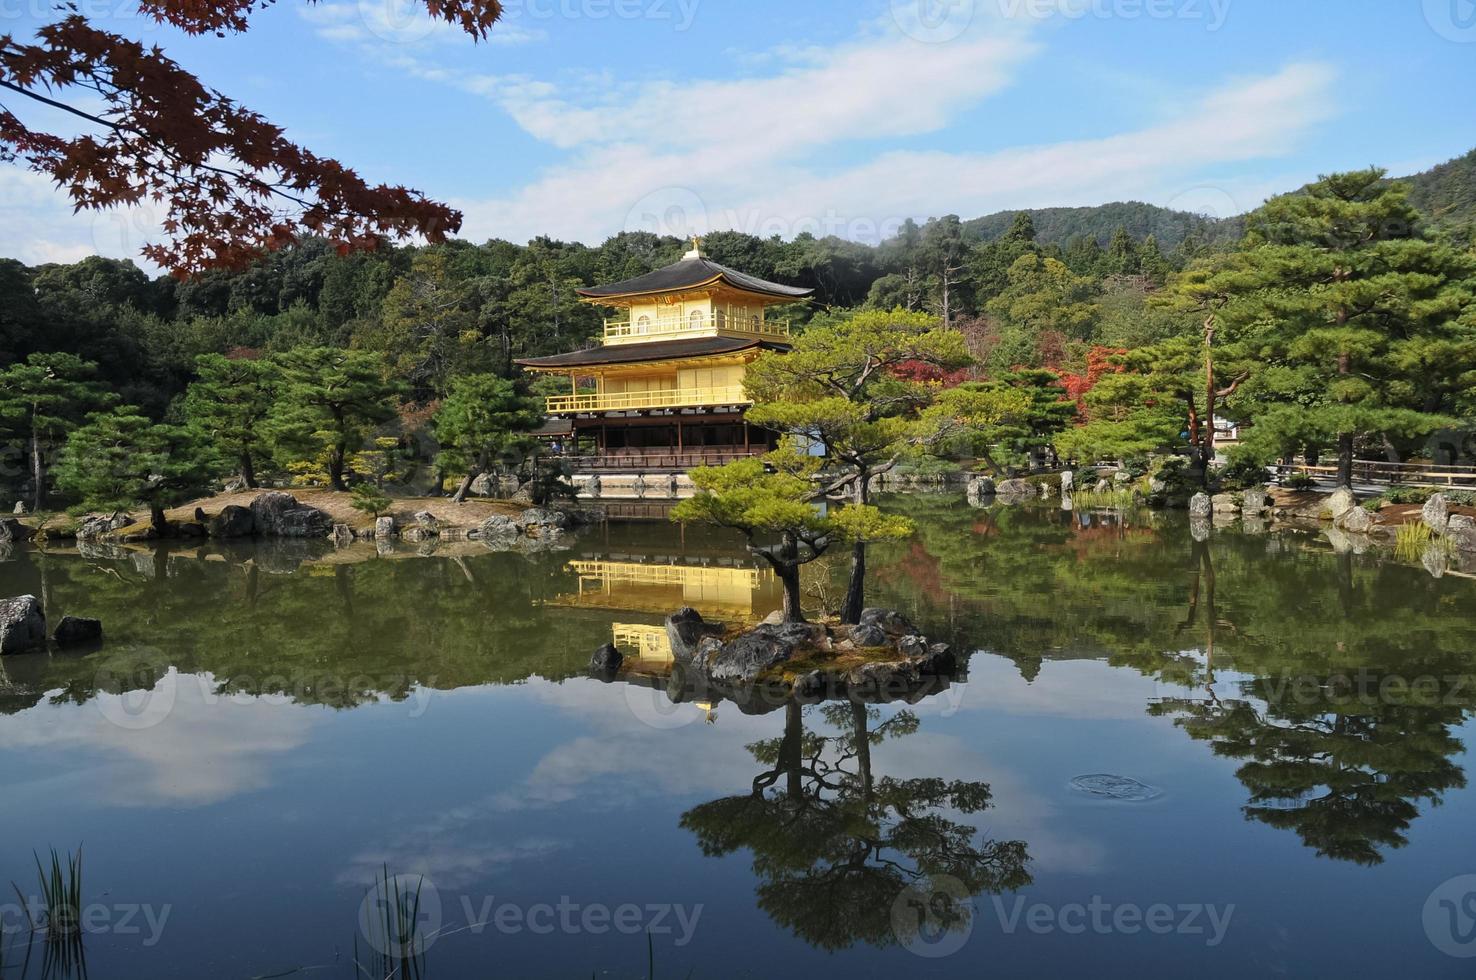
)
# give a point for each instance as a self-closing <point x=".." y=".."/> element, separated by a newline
<point x="231" y="183"/>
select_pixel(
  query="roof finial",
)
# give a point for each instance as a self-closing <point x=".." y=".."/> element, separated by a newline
<point x="696" y="252"/>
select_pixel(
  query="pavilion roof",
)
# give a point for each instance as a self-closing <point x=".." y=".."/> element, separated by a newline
<point x="658" y="350"/>
<point x="693" y="272"/>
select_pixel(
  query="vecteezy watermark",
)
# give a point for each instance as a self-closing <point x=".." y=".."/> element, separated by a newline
<point x="1213" y="12"/>
<point x="940" y="21"/>
<point x="93" y="10"/>
<point x="680" y="212"/>
<point x="1450" y="917"/>
<point x="403" y="916"/>
<point x="96" y="919"/>
<point x="1454" y="20"/>
<point x="934" y="21"/>
<point x="407" y="22"/>
<point x="936" y="918"/>
<point x="933" y="918"/>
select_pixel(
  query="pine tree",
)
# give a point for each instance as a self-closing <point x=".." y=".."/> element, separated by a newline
<point x="328" y="401"/>
<point x="41" y="400"/>
<point x="121" y="458"/>
<point x="1365" y="320"/>
<point x="230" y="404"/>
<point x="482" y="419"/>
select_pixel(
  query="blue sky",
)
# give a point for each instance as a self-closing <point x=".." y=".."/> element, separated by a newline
<point x="581" y="118"/>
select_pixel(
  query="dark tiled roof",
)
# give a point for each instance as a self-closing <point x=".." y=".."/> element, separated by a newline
<point x="690" y="273"/>
<point x="658" y="350"/>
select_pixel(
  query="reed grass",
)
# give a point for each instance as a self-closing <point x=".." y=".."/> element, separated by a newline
<point x="58" y="922"/>
<point x="396" y="946"/>
<point x="1413" y="540"/>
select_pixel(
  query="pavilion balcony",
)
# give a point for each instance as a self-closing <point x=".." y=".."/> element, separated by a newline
<point x="647" y="400"/>
<point x="696" y="325"/>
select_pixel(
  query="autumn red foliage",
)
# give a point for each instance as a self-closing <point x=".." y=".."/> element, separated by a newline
<point x="926" y="373"/>
<point x="232" y="185"/>
<point x="1100" y="361"/>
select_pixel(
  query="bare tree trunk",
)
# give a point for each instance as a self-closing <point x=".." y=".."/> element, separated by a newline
<point x="157" y="519"/>
<point x="248" y="470"/>
<point x="1208" y="451"/>
<point x="856" y="587"/>
<point x="335" y="467"/>
<point x="464" y="488"/>
<point x="788" y="570"/>
<point x="38" y="468"/>
<point x="863" y="748"/>
<point x="1345" y="460"/>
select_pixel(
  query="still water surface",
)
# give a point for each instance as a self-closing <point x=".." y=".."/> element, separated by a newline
<point x="1278" y="734"/>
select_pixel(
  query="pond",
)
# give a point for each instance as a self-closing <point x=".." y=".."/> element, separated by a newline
<point x="1236" y="757"/>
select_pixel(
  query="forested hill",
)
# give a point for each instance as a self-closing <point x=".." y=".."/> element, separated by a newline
<point x="1057" y="226"/>
<point x="1447" y="193"/>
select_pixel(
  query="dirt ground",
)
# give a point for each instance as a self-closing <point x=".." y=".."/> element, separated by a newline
<point x="339" y="505"/>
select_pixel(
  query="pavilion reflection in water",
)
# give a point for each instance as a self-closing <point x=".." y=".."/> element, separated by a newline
<point x="722" y="590"/>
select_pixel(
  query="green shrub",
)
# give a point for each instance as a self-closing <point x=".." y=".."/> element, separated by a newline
<point x="1240" y="473"/>
<point x="1299" y="482"/>
<point x="369" y="499"/>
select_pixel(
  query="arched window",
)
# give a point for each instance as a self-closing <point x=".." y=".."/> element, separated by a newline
<point x="643" y="325"/>
<point x="697" y="319"/>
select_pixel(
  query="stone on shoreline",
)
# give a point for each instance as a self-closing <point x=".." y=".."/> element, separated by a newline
<point x="96" y="527"/>
<point x="1014" y="488"/>
<point x="22" y="625"/>
<point x="1355" y="521"/>
<point x="1200" y="505"/>
<point x="279" y="515"/>
<point x="1339" y="503"/>
<point x="896" y="657"/>
<point x="1436" y="512"/>
<point x="233" y="521"/>
<point x="384" y="527"/>
<point x="1462" y="532"/>
<point x="686" y="629"/>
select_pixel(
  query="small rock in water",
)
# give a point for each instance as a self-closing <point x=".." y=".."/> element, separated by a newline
<point x="1113" y="787"/>
<point x="606" y="660"/>
<point x="77" y="630"/>
<point x="22" y="624"/>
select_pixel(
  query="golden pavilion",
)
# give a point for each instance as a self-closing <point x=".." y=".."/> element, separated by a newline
<point x="664" y="392"/>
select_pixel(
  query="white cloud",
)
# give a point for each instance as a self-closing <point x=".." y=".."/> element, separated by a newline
<point x="773" y="187"/>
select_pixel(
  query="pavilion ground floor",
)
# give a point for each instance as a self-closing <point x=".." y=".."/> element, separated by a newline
<point x="655" y="443"/>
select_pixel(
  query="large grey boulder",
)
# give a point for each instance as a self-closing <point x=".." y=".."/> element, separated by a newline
<point x="427" y="522"/>
<point x="96" y="527"/>
<point x="279" y="515"/>
<point x="1462" y="532"/>
<point x="233" y="521"/>
<point x="1254" y="502"/>
<point x="980" y="487"/>
<point x="13" y="530"/>
<point x="20" y="508"/>
<point x="485" y="485"/>
<point x="1341" y="501"/>
<point x="1356" y="521"/>
<point x="1014" y="488"/>
<point x="868" y="636"/>
<point x="762" y="649"/>
<point x="1436" y="512"/>
<point x="22" y="625"/>
<point x="544" y="518"/>
<point x="686" y="629"/>
<point x="1224" y="503"/>
<point x="384" y="527"/>
<point x="1068" y="481"/>
<point x="889" y="621"/>
<point x="1200" y="505"/>
<point x="77" y="630"/>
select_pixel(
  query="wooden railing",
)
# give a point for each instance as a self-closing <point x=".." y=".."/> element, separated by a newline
<point x="636" y="461"/>
<point x="1394" y="474"/>
<point x="638" y="400"/>
<point x="666" y="328"/>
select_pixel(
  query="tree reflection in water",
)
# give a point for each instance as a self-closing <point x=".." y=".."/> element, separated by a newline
<point x="834" y="845"/>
